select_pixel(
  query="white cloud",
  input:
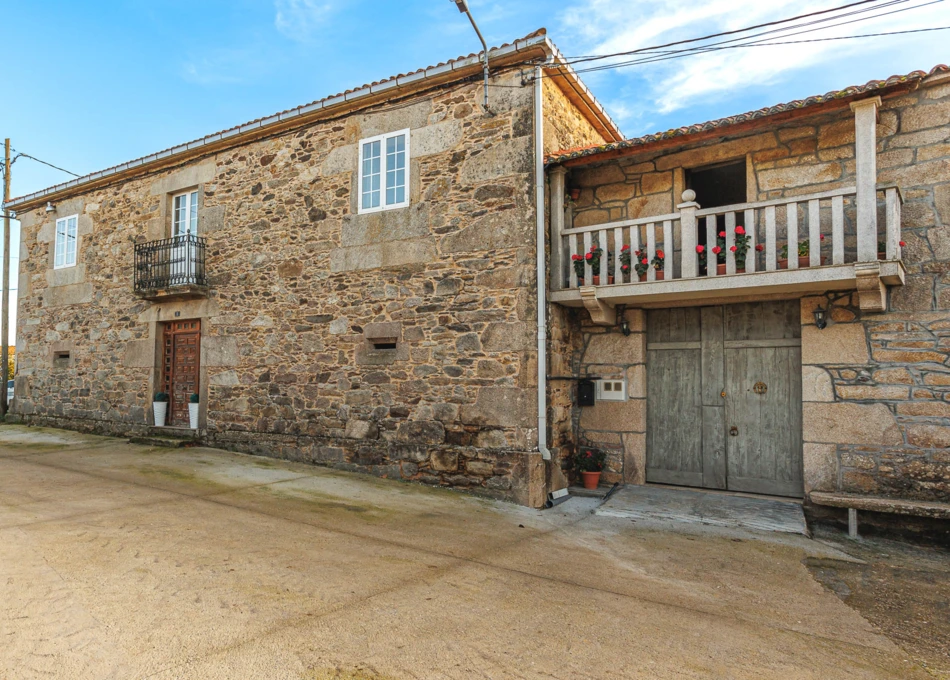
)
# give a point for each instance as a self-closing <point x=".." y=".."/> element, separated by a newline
<point x="608" y="26"/>
<point x="300" y="19"/>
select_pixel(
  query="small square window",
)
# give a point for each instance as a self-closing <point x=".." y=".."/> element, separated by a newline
<point x="384" y="172"/>
<point x="611" y="390"/>
<point x="61" y="359"/>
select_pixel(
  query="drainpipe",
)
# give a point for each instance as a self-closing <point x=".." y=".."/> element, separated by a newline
<point x="541" y="275"/>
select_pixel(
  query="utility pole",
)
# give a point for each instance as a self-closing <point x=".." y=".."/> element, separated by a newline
<point x="5" y="302"/>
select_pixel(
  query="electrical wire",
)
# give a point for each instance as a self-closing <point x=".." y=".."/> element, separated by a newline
<point x="574" y="60"/>
<point x="33" y="158"/>
<point x="663" y="56"/>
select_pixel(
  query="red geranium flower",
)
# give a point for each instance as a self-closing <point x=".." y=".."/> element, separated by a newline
<point x="733" y="249"/>
<point x="700" y="249"/>
<point x="821" y="237"/>
<point x="760" y="247"/>
<point x="740" y="230"/>
<point x="644" y="261"/>
<point x="722" y="234"/>
<point x="901" y="244"/>
<point x="660" y="254"/>
<point x="625" y="247"/>
<point x="625" y="267"/>
<point x="589" y="256"/>
<point x="717" y="249"/>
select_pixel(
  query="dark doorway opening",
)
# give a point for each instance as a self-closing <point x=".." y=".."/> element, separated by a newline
<point x="715" y="186"/>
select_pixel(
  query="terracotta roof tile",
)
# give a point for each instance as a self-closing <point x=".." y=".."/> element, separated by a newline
<point x="871" y="86"/>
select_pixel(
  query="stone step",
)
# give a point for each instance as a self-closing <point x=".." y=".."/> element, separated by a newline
<point x="173" y="432"/>
<point x="167" y="442"/>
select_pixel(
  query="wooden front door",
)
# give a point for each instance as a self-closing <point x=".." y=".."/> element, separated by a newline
<point x="180" y="364"/>
<point x="724" y="397"/>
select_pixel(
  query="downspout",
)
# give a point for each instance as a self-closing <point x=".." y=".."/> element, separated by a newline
<point x="541" y="269"/>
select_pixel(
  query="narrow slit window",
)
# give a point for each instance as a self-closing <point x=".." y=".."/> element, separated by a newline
<point x="386" y="344"/>
<point x="384" y="172"/>
<point x="61" y="360"/>
<point x="66" y="236"/>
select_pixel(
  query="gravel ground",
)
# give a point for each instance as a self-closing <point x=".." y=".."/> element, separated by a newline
<point x="120" y="561"/>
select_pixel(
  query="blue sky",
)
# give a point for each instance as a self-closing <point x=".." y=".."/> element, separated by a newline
<point x="94" y="84"/>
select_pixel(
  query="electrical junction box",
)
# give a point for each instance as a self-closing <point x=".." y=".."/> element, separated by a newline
<point x="586" y="392"/>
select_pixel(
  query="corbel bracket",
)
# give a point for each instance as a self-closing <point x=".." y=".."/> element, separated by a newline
<point x="872" y="294"/>
<point x="601" y="313"/>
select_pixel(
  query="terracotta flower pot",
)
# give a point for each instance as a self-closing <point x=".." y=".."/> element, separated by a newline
<point x="591" y="479"/>
<point x="803" y="261"/>
<point x="575" y="194"/>
<point x="882" y="256"/>
<point x="659" y="276"/>
<point x="721" y="269"/>
<point x="610" y="281"/>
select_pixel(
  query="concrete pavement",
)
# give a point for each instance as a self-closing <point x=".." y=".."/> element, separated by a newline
<point x="120" y="561"/>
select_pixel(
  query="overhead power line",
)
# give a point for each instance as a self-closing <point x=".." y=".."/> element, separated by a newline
<point x="596" y="57"/>
<point x="756" y="44"/>
<point x="33" y="158"/>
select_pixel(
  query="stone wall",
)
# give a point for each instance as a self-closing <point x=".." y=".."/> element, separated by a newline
<point x="301" y="282"/>
<point x="876" y="387"/>
<point x="564" y="126"/>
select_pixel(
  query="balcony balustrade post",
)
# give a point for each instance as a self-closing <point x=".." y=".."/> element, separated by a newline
<point x="556" y="211"/>
<point x="865" y="151"/>
<point x="687" y="209"/>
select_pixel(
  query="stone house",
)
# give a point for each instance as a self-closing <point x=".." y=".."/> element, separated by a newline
<point x="350" y="283"/>
<point x="355" y="283"/>
<point x="823" y="376"/>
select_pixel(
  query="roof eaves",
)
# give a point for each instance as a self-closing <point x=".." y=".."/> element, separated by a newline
<point x="401" y="80"/>
<point x="798" y="104"/>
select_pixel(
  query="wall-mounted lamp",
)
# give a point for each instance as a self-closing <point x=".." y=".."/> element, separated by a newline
<point x="821" y="317"/>
<point x="622" y="322"/>
<point x="50" y="207"/>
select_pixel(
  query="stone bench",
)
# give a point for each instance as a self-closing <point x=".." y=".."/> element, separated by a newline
<point x="898" y="506"/>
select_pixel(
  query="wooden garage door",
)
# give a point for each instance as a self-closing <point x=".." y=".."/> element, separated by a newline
<point x="724" y="397"/>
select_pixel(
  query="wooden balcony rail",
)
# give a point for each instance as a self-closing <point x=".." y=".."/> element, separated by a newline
<point x="822" y="227"/>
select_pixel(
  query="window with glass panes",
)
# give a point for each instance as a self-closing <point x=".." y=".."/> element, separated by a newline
<point x="185" y="214"/>
<point x="65" y="248"/>
<point x="384" y="172"/>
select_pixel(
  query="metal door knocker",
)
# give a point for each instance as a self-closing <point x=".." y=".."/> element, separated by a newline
<point x="734" y="431"/>
<point x="760" y="388"/>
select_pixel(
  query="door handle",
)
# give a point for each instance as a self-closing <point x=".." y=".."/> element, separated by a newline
<point x="734" y="431"/>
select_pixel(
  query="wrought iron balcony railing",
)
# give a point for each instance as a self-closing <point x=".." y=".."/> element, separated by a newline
<point x="170" y="264"/>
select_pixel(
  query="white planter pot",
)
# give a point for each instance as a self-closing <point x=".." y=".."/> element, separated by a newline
<point x="193" y="415"/>
<point x="161" y="410"/>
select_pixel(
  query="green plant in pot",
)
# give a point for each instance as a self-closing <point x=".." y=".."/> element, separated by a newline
<point x="589" y="463"/>
<point x="804" y="250"/>
<point x="591" y="257"/>
<point x="644" y="263"/>
<point x="160" y="408"/>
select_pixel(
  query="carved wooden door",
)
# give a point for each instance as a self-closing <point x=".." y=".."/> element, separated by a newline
<point x="180" y="365"/>
<point x="724" y="397"/>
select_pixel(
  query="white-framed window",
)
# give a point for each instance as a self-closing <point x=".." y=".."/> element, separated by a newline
<point x="185" y="214"/>
<point x="384" y="172"/>
<point x="65" y="247"/>
<point x="612" y="389"/>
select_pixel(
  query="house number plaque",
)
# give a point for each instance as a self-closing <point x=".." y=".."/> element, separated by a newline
<point x="760" y="388"/>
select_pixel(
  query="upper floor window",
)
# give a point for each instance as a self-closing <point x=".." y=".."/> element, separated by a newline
<point x="65" y="251"/>
<point x="384" y="172"/>
<point x="185" y="214"/>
